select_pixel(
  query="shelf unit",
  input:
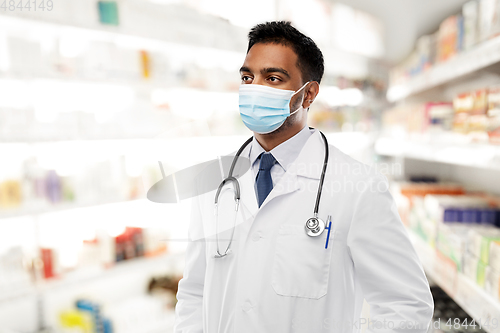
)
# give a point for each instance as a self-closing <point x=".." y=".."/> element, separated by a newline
<point x="81" y="276"/>
<point x="478" y="155"/>
<point x="86" y="275"/>
<point x="448" y="156"/>
<point x="468" y="295"/>
<point x="224" y="44"/>
<point x="48" y="208"/>
<point x="481" y="56"/>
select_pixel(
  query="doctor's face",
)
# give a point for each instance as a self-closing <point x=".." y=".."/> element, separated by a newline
<point x="274" y="65"/>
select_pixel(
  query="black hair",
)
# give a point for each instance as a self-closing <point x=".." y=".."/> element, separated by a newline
<point x="310" y="59"/>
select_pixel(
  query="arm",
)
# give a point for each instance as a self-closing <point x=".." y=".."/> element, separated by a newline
<point x="386" y="264"/>
<point x="188" y="311"/>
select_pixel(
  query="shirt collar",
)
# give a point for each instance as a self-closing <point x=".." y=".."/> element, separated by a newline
<point x="286" y="152"/>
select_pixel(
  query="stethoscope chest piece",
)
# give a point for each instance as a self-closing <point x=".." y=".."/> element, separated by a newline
<point x="314" y="226"/>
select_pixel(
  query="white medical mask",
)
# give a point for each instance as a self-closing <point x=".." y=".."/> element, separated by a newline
<point x="264" y="109"/>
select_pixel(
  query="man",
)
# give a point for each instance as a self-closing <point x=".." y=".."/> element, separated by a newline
<point x="276" y="278"/>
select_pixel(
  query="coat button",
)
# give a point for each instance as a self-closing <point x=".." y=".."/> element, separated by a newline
<point x="246" y="306"/>
<point x="255" y="237"/>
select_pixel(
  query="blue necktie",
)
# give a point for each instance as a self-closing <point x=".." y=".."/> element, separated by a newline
<point x="264" y="180"/>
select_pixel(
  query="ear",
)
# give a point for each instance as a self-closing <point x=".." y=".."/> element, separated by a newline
<point x="311" y="92"/>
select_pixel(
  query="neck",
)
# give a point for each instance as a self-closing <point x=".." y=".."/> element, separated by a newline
<point x="274" y="139"/>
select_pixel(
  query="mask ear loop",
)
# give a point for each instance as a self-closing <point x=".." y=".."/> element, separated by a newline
<point x="302" y="98"/>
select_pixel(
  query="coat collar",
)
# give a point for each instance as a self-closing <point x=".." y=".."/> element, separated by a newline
<point x="308" y="164"/>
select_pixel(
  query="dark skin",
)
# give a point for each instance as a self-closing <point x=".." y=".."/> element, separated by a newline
<point x="275" y="65"/>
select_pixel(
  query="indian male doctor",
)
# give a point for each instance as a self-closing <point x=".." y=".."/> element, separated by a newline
<point x="267" y="274"/>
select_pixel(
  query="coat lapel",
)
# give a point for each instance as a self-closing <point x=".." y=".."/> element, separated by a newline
<point x="247" y="197"/>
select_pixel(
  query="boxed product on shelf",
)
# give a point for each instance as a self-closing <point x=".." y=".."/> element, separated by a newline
<point x="463" y="105"/>
<point x="87" y="317"/>
<point x="425" y="227"/>
<point x="155" y="241"/>
<point x="480" y="102"/>
<point x="459" y="46"/>
<point x="488" y="21"/>
<point x="107" y="248"/>
<point x="467" y="209"/>
<point x="421" y="189"/>
<point x="470" y="14"/>
<point x="478" y="21"/>
<point x="448" y="36"/>
<point x="417" y="118"/>
<point x="74" y="320"/>
<point x="480" y="274"/>
<point x="454" y="239"/>
<point x="462" y="227"/>
<point x="493" y="126"/>
<point x="424" y="52"/>
<point x="10" y="194"/>
<point x="415" y="215"/>
<point x="446" y="271"/>
<point x="470" y="264"/>
<point x="474" y="269"/>
<point x="439" y="115"/>
<point x="40" y="187"/>
<point x="477" y="121"/>
<point x="90" y="253"/>
<point x="471" y="112"/>
<point x="492" y="281"/>
<point x="451" y="242"/>
<point x="395" y="117"/>
<point x="474" y="114"/>
<point x="138" y="242"/>
<point x="129" y="244"/>
<point x="103" y="251"/>
<point x="494" y="255"/>
<point x="479" y="240"/>
<point x="434" y="44"/>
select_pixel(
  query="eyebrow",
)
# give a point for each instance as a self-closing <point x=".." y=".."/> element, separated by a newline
<point x="267" y="70"/>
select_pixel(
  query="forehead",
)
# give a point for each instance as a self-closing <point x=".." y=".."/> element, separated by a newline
<point x="270" y="55"/>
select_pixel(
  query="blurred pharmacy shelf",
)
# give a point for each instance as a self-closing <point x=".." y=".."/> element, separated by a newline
<point x="51" y="208"/>
<point x="132" y="30"/>
<point x="348" y="142"/>
<point x="7" y="295"/>
<point x="479" y="57"/>
<point x="479" y="155"/>
<point x="81" y="276"/>
<point x="468" y="295"/>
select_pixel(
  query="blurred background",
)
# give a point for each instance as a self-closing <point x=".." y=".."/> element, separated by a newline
<point x="93" y="94"/>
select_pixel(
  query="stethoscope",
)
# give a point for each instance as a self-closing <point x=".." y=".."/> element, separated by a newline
<point x="313" y="226"/>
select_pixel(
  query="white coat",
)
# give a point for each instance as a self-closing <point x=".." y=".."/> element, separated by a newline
<point x="277" y="279"/>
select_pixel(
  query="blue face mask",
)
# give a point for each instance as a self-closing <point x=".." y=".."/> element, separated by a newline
<point x="264" y="109"/>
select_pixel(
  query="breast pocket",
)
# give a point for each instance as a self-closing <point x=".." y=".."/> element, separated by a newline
<point x="301" y="263"/>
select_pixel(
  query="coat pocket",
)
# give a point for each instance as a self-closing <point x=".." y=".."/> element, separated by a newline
<point x="301" y="265"/>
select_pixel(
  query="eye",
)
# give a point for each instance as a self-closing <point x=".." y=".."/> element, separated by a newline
<point x="246" y="78"/>
<point x="274" y="79"/>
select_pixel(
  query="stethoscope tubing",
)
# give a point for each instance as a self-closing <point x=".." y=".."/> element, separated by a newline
<point x="233" y="180"/>
<point x="322" y="179"/>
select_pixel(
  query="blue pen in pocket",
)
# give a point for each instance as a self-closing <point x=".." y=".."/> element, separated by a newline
<point x="329" y="220"/>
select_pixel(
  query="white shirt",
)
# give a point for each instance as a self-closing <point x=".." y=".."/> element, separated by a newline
<point x="285" y="154"/>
